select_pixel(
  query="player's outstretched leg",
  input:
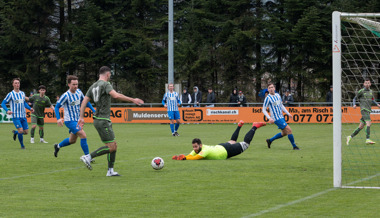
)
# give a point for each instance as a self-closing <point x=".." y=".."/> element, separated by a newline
<point x="14" y="132"/>
<point x="64" y="143"/>
<point x="111" y="161"/>
<point x="277" y="136"/>
<point x="235" y="135"/>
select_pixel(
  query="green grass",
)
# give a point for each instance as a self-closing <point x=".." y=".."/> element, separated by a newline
<point x="276" y="182"/>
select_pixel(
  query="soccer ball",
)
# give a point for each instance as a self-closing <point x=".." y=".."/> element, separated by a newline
<point x="157" y="163"/>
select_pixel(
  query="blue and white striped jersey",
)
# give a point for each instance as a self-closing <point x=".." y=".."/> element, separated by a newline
<point x="274" y="102"/>
<point x="71" y="104"/>
<point x="172" y="100"/>
<point x="16" y="100"/>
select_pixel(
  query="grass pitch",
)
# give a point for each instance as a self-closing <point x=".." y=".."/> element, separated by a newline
<point x="276" y="182"/>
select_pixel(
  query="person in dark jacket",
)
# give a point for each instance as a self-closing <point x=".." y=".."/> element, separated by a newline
<point x="287" y="99"/>
<point x="233" y="98"/>
<point x="210" y="98"/>
<point x="185" y="98"/>
<point x="329" y="96"/>
<point x="241" y="100"/>
<point x="196" y="97"/>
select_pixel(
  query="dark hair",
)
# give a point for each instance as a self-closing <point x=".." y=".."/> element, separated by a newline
<point x="196" y="140"/>
<point x="70" y="78"/>
<point x="104" y="70"/>
<point x="41" y="87"/>
<point x="367" y="79"/>
<point x="269" y="84"/>
<point x="16" y="79"/>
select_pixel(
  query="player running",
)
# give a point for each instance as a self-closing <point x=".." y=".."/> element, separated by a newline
<point x="16" y="99"/>
<point x="71" y="101"/>
<point x="366" y="99"/>
<point x="274" y="102"/>
<point x="101" y="92"/>
<point x="40" y="102"/>
<point x="223" y="150"/>
<point x="171" y="101"/>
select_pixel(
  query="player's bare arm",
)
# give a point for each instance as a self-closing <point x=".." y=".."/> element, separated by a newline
<point x="122" y="97"/>
<point x="82" y="109"/>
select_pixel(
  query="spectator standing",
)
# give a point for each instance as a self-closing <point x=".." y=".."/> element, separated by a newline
<point x="196" y="97"/>
<point x="241" y="100"/>
<point x="329" y="96"/>
<point x="210" y="98"/>
<point x="287" y="98"/>
<point x="185" y="98"/>
<point x="233" y="98"/>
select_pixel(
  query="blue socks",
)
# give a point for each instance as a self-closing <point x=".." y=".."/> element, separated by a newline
<point x="176" y="126"/>
<point x="83" y="144"/>
<point x="64" y="143"/>
<point x="172" y="127"/>
<point x="291" y="139"/>
<point x="21" y="139"/>
<point x="277" y="136"/>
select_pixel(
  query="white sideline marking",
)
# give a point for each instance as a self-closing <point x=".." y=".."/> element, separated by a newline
<point x="57" y="171"/>
<point x="309" y="197"/>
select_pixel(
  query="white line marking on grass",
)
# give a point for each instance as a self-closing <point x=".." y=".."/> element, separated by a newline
<point x="307" y="198"/>
<point x="63" y="170"/>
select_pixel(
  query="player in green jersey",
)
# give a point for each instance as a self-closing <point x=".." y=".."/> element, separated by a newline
<point x="40" y="102"/>
<point x="366" y="99"/>
<point x="223" y="150"/>
<point x="101" y="93"/>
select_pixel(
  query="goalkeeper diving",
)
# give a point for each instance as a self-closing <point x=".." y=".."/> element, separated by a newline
<point x="223" y="150"/>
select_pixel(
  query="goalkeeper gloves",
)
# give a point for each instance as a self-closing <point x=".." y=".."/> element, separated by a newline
<point x="179" y="157"/>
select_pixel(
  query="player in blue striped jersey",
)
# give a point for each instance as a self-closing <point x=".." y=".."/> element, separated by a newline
<point x="171" y="101"/>
<point x="71" y="101"/>
<point x="276" y="109"/>
<point x="16" y="99"/>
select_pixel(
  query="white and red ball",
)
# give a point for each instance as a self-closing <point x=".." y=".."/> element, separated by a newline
<point x="157" y="163"/>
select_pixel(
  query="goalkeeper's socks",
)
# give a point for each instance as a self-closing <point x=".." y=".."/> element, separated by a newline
<point x="176" y="126"/>
<point x="64" y="143"/>
<point x="100" y="151"/>
<point x="277" y="136"/>
<point x="83" y="144"/>
<point x="235" y="135"/>
<point x="291" y="139"/>
<point x="172" y="127"/>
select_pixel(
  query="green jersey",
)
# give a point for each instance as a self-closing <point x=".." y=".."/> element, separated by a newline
<point x="99" y="93"/>
<point x="365" y="97"/>
<point x="39" y="105"/>
<point x="216" y="152"/>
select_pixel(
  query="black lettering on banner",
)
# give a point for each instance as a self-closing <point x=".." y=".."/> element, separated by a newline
<point x="296" y="118"/>
<point x="118" y="113"/>
<point x="319" y="118"/>
<point x="326" y="116"/>
<point x="302" y="117"/>
<point x="309" y="115"/>
<point x="286" y="118"/>
<point x="266" y="119"/>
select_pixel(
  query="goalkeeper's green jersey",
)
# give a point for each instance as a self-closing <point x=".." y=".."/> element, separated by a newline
<point x="39" y="105"/>
<point x="365" y="97"/>
<point x="216" y="152"/>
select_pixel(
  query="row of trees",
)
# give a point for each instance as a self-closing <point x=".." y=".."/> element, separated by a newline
<point x="218" y="43"/>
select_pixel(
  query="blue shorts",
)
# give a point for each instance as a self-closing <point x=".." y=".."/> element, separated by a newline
<point x="281" y="123"/>
<point x="20" y="123"/>
<point x="174" y="115"/>
<point x="73" y="126"/>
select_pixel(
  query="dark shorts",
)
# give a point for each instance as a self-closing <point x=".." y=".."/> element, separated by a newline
<point x="104" y="128"/>
<point x="232" y="149"/>
<point x="37" y="120"/>
<point x="366" y="116"/>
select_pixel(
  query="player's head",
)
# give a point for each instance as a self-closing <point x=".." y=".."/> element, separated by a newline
<point x="197" y="145"/>
<point x="367" y="83"/>
<point x="42" y="89"/>
<point x="105" y="72"/>
<point x="170" y="87"/>
<point x="16" y="83"/>
<point x="72" y="82"/>
<point x="271" y="88"/>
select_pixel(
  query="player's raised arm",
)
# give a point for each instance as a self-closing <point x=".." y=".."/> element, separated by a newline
<point x="122" y="97"/>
